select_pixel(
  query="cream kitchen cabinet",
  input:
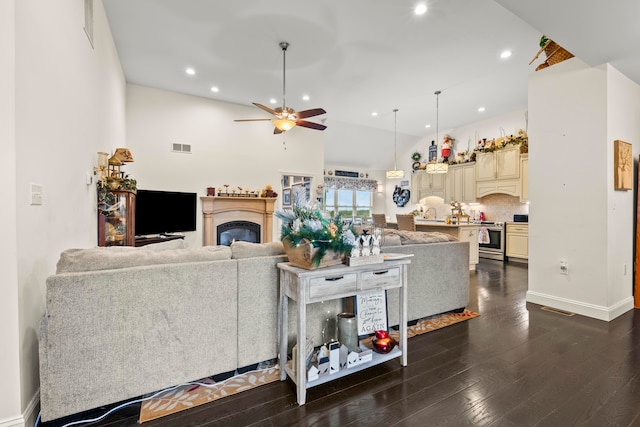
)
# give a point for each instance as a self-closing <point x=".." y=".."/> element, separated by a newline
<point x="461" y="183"/>
<point x="470" y="234"/>
<point x="524" y="178"/>
<point x="517" y="241"/>
<point x="427" y="184"/>
<point x="498" y="172"/>
<point x="499" y="164"/>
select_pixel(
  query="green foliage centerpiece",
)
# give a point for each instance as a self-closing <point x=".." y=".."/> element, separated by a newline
<point x="314" y="239"/>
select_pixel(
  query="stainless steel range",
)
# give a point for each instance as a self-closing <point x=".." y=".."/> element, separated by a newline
<point x="491" y="240"/>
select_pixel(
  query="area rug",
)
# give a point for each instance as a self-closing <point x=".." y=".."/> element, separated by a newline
<point x="207" y="390"/>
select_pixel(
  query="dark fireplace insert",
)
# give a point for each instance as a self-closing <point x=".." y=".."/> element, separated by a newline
<point x="246" y="231"/>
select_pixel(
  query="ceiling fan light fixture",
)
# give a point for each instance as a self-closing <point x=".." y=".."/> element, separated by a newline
<point x="284" y="124"/>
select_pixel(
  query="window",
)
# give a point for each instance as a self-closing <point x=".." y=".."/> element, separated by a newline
<point x="349" y="203"/>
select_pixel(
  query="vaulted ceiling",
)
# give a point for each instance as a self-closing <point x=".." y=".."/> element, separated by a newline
<point x="357" y="57"/>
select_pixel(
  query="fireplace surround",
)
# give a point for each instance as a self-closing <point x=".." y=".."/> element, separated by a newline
<point x="221" y="210"/>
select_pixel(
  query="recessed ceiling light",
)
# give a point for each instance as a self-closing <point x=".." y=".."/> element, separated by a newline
<point x="305" y="97"/>
<point x="420" y="9"/>
<point x="215" y="89"/>
<point x="428" y="126"/>
<point x="190" y="71"/>
<point x="374" y="114"/>
<point x="481" y="109"/>
<point x="272" y="101"/>
<point x="505" y="54"/>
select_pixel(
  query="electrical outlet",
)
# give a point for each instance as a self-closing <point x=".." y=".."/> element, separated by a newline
<point x="564" y="267"/>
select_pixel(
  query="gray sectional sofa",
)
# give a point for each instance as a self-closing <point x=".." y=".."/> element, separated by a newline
<point x="124" y="322"/>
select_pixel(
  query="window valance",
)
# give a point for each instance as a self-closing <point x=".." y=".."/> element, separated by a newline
<point x="340" y="183"/>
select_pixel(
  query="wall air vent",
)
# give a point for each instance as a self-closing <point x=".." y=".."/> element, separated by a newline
<point x="180" y="148"/>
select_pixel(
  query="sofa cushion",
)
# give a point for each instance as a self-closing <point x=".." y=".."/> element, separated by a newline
<point x="108" y="258"/>
<point x="240" y="249"/>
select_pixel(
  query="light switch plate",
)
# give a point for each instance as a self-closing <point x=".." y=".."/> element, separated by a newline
<point x="36" y="194"/>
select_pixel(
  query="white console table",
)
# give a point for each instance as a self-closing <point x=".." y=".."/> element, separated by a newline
<point x="310" y="286"/>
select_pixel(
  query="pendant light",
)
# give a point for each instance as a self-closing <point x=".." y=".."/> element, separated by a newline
<point x="395" y="173"/>
<point x="434" y="166"/>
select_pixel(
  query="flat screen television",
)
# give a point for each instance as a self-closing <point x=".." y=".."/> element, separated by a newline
<point x="163" y="212"/>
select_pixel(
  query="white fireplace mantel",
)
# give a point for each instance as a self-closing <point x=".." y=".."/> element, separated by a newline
<point x="219" y="210"/>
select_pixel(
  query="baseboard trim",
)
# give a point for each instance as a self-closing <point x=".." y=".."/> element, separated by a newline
<point x="29" y="416"/>
<point x="13" y="422"/>
<point x="590" y="310"/>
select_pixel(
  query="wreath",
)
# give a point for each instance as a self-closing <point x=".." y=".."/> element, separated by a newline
<point x="416" y="156"/>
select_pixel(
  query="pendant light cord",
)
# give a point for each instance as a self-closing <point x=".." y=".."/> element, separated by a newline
<point x="395" y="147"/>
<point x="437" y="94"/>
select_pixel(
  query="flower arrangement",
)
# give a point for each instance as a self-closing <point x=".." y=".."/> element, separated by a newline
<point x="305" y="224"/>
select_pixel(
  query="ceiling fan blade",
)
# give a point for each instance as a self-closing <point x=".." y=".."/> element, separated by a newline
<point x="252" y="120"/>
<point x="310" y="125"/>
<point x="265" y="108"/>
<point x="310" y="113"/>
<point x="276" y="131"/>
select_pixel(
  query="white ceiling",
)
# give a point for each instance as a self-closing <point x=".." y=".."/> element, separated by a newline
<point x="359" y="56"/>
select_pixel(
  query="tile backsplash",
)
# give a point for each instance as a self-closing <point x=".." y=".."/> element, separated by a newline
<point x="496" y="207"/>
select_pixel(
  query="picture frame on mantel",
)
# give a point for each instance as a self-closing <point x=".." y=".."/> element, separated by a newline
<point x="622" y="165"/>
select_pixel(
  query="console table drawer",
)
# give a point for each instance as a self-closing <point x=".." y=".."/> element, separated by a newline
<point x="384" y="277"/>
<point x="321" y="287"/>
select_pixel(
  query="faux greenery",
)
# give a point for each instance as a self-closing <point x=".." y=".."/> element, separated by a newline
<point x="416" y="156"/>
<point x="305" y="224"/>
<point x="543" y="40"/>
<point x="106" y="198"/>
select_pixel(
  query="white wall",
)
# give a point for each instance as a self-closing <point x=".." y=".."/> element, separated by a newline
<point x="623" y="110"/>
<point x="69" y="105"/>
<point x="10" y="402"/>
<point x="241" y="154"/>
<point x="576" y="215"/>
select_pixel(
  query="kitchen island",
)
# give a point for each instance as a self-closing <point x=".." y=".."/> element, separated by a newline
<point x="463" y="232"/>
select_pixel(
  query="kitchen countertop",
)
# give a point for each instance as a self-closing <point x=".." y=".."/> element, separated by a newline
<point x="434" y="223"/>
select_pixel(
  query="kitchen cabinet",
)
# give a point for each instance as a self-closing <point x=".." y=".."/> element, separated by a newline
<point x="461" y="183"/>
<point x="499" y="164"/>
<point x="524" y="178"/>
<point x="427" y="184"/>
<point x="498" y="172"/>
<point x="517" y="241"/>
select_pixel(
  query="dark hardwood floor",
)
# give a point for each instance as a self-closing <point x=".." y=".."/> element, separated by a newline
<point x="515" y="365"/>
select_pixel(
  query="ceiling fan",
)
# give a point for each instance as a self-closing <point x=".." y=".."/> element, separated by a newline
<point x="287" y="117"/>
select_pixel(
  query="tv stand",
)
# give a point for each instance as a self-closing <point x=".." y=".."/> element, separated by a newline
<point x="142" y="241"/>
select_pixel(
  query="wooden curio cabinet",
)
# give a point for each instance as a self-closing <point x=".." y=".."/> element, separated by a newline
<point x="116" y="218"/>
